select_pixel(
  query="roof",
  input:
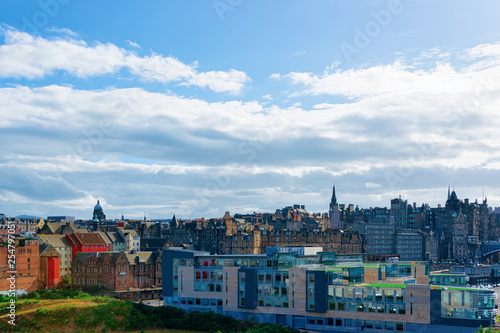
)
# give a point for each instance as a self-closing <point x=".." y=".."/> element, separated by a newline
<point x="89" y="238"/>
<point x="111" y="237"/>
<point x="53" y="226"/>
<point x="83" y="257"/>
<point x="142" y="257"/>
<point x="156" y="242"/>
<point x="48" y="251"/>
<point x="69" y="228"/>
<point x="132" y="232"/>
<point x="55" y="240"/>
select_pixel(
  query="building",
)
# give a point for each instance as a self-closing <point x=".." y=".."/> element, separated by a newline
<point x="63" y="247"/>
<point x="379" y="241"/>
<point x="334" y="212"/>
<point x="58" y="219"/>
<point x="309" y="291"/>
<point x="118" y="272"/>
<point x="131" y="238"/>
<point x="86" y="242"/>
<point x="399" y="212"/>
<point x="26" y="265"/>
<point x="98" y="213"/>
<point x="49" y="267"/>
<point x="409" y="245"/>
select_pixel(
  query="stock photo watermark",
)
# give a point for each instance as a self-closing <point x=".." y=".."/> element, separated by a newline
<point x="11" y="266"/>
<point x="424" y="151"/>
<point x="221" y="7"/>
<point x="48" y="9"/>
<point x="248" y="151"/>
<point x="372" y="29"/>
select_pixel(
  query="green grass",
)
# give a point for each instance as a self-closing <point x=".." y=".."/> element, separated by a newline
<point x="86" y="313"/>
<point x="383" y="285"/>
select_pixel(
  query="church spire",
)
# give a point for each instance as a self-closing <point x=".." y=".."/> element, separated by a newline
<point x="448" y="192"/>
<point x="333" y="202"/>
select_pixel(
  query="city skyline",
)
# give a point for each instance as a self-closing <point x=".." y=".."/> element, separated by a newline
<point x="163" y="108"/>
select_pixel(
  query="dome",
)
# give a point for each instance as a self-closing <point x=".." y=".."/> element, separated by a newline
<point x="98" y="206"/>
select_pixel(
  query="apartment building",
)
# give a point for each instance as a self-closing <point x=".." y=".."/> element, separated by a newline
<point x="312" y="292"/>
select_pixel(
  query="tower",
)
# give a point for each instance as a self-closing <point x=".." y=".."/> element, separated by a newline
<point x="334" y="211"/>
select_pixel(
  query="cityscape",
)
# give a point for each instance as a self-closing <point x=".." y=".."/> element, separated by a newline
<point x="234" y="166"/>
<point x="405" y="267"/>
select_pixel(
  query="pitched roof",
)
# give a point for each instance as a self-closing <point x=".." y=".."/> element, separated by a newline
<point x="115" y="237"/>
<point x="84" y="257"/>
<point x="142" y="257"/>
<point x="156" y="242"/>
<point x="132" y="232"/>
<point x="54" y="240"/>
<point x="69" y="228"/>
<point x="89" y="238"/>
<point x="48" y="251"/>
<point x="53" y="227"/>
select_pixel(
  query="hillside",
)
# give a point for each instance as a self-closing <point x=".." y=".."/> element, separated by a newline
<point x="73" y="311"/>
<point x="68" y="315"/>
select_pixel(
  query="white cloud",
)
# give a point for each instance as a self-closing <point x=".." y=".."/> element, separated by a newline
<point x="26" y="56"/>
<point x="415" y="122"/>
<point x="130" y="43"/>
<point x="403" y="77"/>
<point x="63" y="31"/>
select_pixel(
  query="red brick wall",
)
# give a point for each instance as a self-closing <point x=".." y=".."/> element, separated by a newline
<point x="27" y="265"/>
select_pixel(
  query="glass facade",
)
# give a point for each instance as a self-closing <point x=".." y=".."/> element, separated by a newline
<point x="367" y="299"/>
<point x="468" y="303"/>
<point x="272" y="288"/>
<point x="326" y="292"/>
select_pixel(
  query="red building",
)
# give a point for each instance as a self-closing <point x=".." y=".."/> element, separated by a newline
<point x="49" y="266"/>
<point x="86" y="242"/>
<point x="27" y="265"/>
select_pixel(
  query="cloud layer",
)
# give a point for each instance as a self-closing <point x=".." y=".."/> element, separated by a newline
<point x="29" y="57"/>
<point x="410" y="127"/>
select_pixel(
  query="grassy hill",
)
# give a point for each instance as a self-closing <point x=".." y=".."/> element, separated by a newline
<point x="73" y="311"/>
<point x="93" y="314"/>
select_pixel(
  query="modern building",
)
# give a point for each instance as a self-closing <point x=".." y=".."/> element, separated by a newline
<point x="409" y="245"/>
<point x="311" y="291"/>
<point x="379" y="241"/>
<point x="60" y="218"/>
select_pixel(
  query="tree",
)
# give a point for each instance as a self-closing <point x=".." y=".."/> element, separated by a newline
<point x="485" y="330"/>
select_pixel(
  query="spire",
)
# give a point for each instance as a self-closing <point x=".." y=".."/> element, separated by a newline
<point x="448" y="192"/>
<point x="333" y="202"/>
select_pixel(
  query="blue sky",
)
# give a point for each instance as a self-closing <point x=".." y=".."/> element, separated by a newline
<point x="195" y="108"/>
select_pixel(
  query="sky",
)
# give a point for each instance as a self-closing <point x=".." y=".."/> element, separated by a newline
<point x="195" y="108"/>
